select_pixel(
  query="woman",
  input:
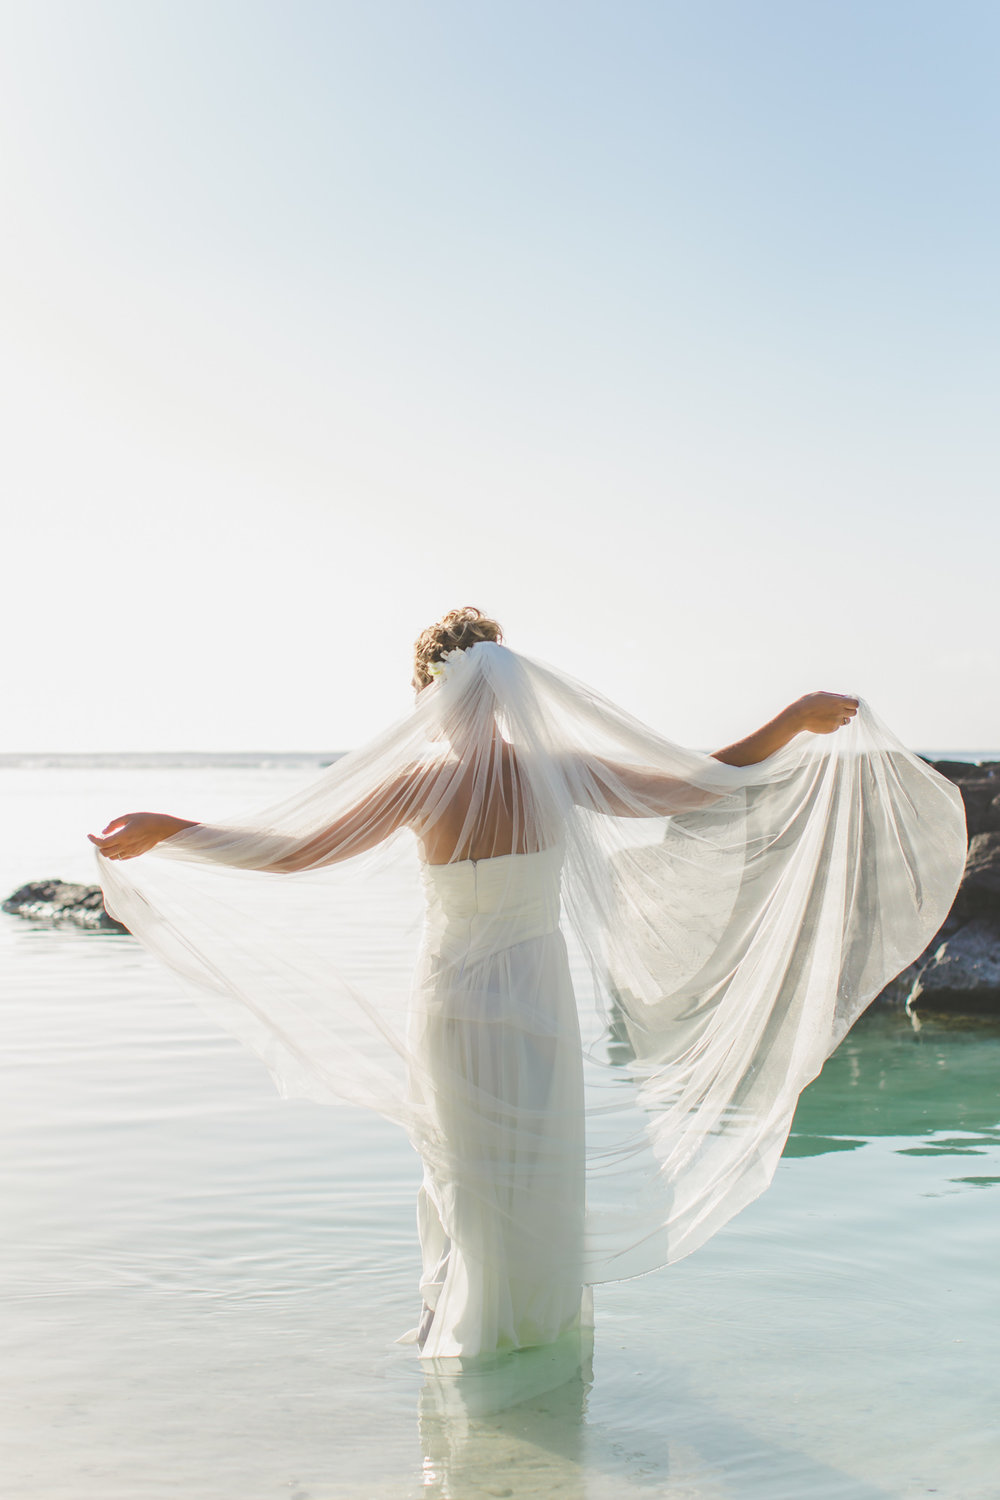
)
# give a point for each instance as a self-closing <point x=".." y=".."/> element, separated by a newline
<point x="731" y="915"/>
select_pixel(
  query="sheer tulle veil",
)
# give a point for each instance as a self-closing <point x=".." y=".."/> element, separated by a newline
<point x="725" y="926"/>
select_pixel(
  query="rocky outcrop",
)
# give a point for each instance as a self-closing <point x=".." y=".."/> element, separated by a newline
<point x="61" y="904"/>
<point x="963" y="973"/>
<point x="979" y="893"/>
<point x="980" y="789"/>
<point x="960" y="969"/>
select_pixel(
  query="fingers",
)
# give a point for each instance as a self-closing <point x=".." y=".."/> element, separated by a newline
<point x="840" y="708"/>
<point x="842" y="701"/>
<point x="110" y="848"/>
<point x="828" y="712"/>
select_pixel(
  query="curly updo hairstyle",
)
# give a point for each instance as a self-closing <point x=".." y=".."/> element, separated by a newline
<point x="460" y="629"/>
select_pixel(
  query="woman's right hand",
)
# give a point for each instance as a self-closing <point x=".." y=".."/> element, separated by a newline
<point x="135" y="834"/>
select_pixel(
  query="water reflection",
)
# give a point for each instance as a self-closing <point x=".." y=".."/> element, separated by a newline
<point x="703" y="1388"/>
<point x="938" y="1082"/>
<point x="189" y="1262"/>
<point x="514" y="1423"/>
<point x="520" y="1427"/>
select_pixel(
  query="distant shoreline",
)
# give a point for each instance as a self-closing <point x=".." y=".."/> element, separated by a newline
<point x="68" y="760"/>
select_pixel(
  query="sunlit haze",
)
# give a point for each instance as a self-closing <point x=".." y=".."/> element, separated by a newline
<point x="665" y="332"/>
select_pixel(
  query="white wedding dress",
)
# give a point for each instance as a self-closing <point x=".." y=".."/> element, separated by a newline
<point x="501" y="1210"/>
<point x="731" y="923"/>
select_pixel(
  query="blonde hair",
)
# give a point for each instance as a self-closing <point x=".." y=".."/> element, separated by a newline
<point x="456" y="631"/>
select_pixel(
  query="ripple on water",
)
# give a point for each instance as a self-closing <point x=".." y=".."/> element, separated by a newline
<point x="202" y="1284"/>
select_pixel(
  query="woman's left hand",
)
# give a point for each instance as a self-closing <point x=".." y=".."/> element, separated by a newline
<point x="134" y="834"/>
<point x="822" y="713"/>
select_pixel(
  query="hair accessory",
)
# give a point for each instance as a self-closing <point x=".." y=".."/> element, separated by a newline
<point x="440" y="668"/>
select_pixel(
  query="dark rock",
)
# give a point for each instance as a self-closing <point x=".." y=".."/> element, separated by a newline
<point x="982" y="867"/>
<point x="968" y="770"/>
<point x="896" y="995"/>
<point x="980" y="789"/>
<point x="979" y="893"/>
<point x="59" y="903"/>
<point x="982" y="806"/>
<point x="960" y="968"/>
<point x="956" y="770"/>
<point x="963" y="973"/>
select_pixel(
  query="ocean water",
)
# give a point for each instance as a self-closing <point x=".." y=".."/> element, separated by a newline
<point x="201" y="1284"/>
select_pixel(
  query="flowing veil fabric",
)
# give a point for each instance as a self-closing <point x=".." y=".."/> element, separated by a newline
<point x="725" y="927"/>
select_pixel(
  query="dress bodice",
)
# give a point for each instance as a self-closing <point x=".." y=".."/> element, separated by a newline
<point x="478" y="906"/>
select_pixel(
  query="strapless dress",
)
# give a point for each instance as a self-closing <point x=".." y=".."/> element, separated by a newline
<point x="497" y="1066"/>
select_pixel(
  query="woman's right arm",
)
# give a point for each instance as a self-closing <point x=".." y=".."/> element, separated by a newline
<point x="373" y="819"/>
<point x="136" y="833"/>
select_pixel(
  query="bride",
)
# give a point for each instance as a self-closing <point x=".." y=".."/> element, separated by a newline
<point x="719" y="921"/>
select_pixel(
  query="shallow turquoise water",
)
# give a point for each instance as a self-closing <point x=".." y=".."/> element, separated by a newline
<point x="202" y="1284"/>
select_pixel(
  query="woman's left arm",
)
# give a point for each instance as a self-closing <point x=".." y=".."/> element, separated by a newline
<point x="816" y="713"/>
<point x="628" y="791"/>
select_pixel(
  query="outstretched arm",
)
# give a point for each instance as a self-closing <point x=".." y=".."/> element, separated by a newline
<point x="136" y="833"/>
<point x="623" y="791"/>
<point x="818" y="713"/>
<point x="373" y="819"/>
<point x="626" y="791"/>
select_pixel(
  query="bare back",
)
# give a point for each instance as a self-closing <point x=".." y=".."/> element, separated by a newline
<point x="478" y="821"/>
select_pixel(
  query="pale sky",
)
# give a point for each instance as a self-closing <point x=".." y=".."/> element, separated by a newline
<point x="666" y="332"/>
